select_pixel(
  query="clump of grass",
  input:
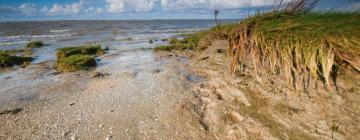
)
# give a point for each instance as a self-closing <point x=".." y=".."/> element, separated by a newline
<point x="198" y="40"/>
<point x="86" y="49"/>
<point x="75" y="63"/>
<point x="72" y="59"/>
<point x="7" y="60"/>
<point x="204" y="39"/>
<point x="297" y="43"/>
<point x="164" y="48"/>
<point x="34" y="44"/>
<point x="334" y="127"/>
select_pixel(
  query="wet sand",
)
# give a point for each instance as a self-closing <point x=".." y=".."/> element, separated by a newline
<point x="138" y="99"/>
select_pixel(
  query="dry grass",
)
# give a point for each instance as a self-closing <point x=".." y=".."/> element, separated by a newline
<point x="297" y="44"/>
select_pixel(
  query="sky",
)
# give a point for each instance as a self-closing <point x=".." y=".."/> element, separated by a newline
<point x="24" y="10"/>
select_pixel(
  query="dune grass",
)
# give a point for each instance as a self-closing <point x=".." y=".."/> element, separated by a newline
<point x="7" y="60"/>
<point x="298" y="43"/>
<point x="75" y="62"/>
<point x="198" y="40"/>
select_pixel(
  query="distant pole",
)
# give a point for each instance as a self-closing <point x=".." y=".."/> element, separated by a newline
<point x="216" y="13"/>
<point x="249" y="8"/>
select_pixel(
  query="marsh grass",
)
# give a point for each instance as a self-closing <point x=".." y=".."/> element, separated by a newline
<point x="7" y="60"/>
<point x="297" y="44"/>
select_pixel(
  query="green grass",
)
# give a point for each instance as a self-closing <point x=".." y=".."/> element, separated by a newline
<point x="75" y="63"/>
<point x="298" y="43"/>
<point x="85" y="49"/>
<point x="198" y="40"/>
<point x="34" y="44"/>
<point x="7" y="60"/>
<point x="164" y="48"/>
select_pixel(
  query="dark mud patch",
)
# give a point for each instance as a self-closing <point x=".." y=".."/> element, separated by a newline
<point x="12" y="111"/>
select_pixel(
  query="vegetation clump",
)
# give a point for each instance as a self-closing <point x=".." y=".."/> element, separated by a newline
<point x="7" y="60"/>
<point x="86" y="50"/>
<point x="75" y="63"/>
<point x="34" y="44"/>
<point x="72" y="59"/>
<point x="299" y="44"/>
<point x="198" y="40"/>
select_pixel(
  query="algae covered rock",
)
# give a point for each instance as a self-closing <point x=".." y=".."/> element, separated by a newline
<point x="7" y="60"/>
<point x="72" y="59"/>
<point x="75" y="63"/>
<point x="86" y="50"/>
<point x="34" y="44"/>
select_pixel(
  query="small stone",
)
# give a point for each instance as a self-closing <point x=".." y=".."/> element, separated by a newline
<point x="236" y="117"/>
<point x="108" y="137"/>
<point x="101" y="126"/>
<point x="72" y="104"/>
<point x="66" y="133"/>
<point x="73" y="137"/>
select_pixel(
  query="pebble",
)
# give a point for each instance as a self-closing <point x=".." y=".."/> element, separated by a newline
<point x="108" y="137"/>
<point x="101" y="126"/>
<point x="236" y="117"/>
<point x="73" y="137"/>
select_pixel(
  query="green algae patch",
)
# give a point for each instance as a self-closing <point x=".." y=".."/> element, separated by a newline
<point x="164" y="48"/>
<point x="34" y="44"/>
<point x="86" y="50"/>
<point x="7" y="60"/>
<point x="75" y="63"/>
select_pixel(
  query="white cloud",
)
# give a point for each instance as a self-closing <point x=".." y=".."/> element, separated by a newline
<point x="356" y="6"/>
<point x="27" y="8"/>
<point x="67" y="9"/>
<point x="118" y="6"/>
<point x="214" y="4"/>
<point x="99" y="10"/>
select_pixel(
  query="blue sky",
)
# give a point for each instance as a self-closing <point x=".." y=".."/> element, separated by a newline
<point x="15" y="10"/>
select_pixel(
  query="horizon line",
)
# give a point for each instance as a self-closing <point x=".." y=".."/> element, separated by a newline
<point x="111" y="20"/>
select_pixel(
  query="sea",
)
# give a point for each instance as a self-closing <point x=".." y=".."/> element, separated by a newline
<point x="122" y="35"/>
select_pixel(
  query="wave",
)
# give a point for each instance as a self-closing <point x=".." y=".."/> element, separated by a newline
<point x="12" y="43"/>
<point x="59" y="31"/>
<point x="35" y="36"/>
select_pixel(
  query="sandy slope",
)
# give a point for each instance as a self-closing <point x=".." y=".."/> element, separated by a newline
<point x="242" y="107"/>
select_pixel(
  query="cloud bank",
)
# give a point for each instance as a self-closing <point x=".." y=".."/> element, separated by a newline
<point x="149" y="8"/>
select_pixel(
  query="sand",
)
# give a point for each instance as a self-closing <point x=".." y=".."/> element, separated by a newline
<point x="169" y="95"/>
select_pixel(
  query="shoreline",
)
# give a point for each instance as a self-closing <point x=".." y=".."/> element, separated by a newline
<point x="77" y="106"/>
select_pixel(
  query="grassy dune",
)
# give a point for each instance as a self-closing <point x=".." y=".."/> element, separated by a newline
<point x="294" y="44"/>
<point x="198" y="40"/>
<point x="297" y="44"/>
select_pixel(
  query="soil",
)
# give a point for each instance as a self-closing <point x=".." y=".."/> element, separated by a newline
<point x="252" y="106"/>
